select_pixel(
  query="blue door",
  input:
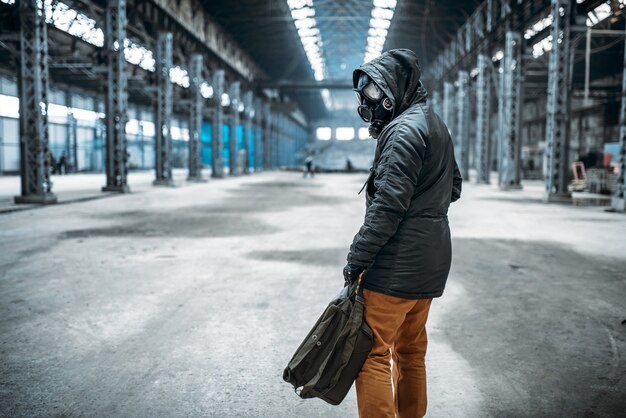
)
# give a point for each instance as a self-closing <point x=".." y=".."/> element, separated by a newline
<point x="226" y="149"/>
<point x="206" y="137"/>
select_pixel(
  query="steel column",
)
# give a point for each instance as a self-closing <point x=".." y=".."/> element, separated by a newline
<point x="619" y="196"/>
<point x="267" y="136"/>
<point x="233" y="155"/>
<point x="195" y="118"/>
<point x="116" y="105"/>
<point x="99" y="141"/>
<point x="72" y="143"/>
<point x="164" y="105"/>
<point x="510" y="138"/>
<point x="448" y="106"/>
<point x="36" y="186"/>
<point x="435" y="102"/>
<point x="483" y="119"/>
<point x="501" y="128"/>
<point x="247" y="131"/>
<point x="259" y="135"/>
<point x="558" y="104"/>
<point x="140" y="137"/>
<point x="463" y="123"/>
<point x="217" y="144"/>
<point x="276" y="126"/>
<point x="278" y="140"/>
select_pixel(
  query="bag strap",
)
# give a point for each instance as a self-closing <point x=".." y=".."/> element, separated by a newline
<point x="356" y="289"/>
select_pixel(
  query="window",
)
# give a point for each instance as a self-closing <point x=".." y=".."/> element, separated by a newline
<point x="9" y="106"/>
<point x="364" y="133"/>
<point x="345" y="134"/>
<point x="149" y="128"/>
<point x="324" y="134"/>
<point x="132" y="127"/>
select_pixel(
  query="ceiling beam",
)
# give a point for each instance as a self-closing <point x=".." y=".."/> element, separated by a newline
<point x="290" y="85"/>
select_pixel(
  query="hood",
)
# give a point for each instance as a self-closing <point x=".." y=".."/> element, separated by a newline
<point x="397" y="73"/>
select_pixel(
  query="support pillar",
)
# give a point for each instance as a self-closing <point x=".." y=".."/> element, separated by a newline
<point x="99" y="146"/>
<point x="217" y="144"/>
<point x="259" y="135"/>
<point x="448" y="107"/>
<point x="500" y="122"/>
<point x="463" y="123"/>
<point x="356" y="134"/>
<point x="71" y="149"/>
<point x="619" y="196"/>
<point x="195" y="118"/>
<point x="436" y="102"/>
<point x="483" y="118"/>
<point x="267" y="136"/>
<point x="558" y="105"/>
<point x="278" y="140"/>
<point x="510" y="138"/>
<point x="36" y="186"/>
<point x="233" y="155"/>
<point x="164" y="105"/>
<point x="116" y="105"/>
<point x="248" y="130"/>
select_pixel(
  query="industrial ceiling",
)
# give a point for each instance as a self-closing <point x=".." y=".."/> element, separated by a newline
<point x="266" y="29"/>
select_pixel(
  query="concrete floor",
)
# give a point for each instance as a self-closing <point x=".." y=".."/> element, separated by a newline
<point x="190" y="302"/>
<point x="78" y="188"/>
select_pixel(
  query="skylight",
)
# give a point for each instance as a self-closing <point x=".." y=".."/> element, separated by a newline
<point x="138" y="55"/>
<point x="69" y="20"/>
<point x="597" y="15"/>
<point x="77" y="24"/>
<point x="303" y="15"/>
<point x="538" y="27"/>
<point x="206" y="90"/>
<point x="179" y="76"/>
<point x="382" y="14"/>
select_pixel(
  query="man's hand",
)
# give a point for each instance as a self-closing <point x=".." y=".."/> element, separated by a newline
<point x="352" y="272"/>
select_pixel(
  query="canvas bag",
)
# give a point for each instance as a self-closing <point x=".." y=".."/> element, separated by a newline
<point x="332" y="354"/>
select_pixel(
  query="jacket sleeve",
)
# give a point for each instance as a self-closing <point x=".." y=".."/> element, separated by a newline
<point x="457" y="180"/>
<point x="398" y="170"/>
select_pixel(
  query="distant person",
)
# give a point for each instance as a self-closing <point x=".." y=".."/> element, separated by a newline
<point x="349" y="166"/>
<point x="402" y="252"/>
<point x="308" y="167"/>
<point x="246" y="161"/>
<point x="63" y="164"/>
<point x="52" y="162"/>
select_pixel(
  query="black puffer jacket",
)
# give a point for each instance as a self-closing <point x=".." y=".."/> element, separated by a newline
<point x="405" y="240"/>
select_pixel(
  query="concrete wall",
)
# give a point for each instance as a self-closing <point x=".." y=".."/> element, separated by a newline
<point x="90" y="133"/>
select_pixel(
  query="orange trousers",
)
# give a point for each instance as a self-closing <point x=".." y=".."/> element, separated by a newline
<point x="399" y="327"/>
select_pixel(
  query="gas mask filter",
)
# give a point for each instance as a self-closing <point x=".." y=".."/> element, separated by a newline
<point x="374" y="107"/>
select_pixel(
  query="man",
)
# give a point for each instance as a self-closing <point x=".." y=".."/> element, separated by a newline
<point x="308" y="163"/>
<point x="402" y="253"/>
<point x="63" y="164"/>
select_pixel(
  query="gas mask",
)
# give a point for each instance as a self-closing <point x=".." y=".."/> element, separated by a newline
<point x="374" y="107"/>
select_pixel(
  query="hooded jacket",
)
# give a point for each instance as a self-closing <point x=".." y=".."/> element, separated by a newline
<point x="404" y="242"/>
